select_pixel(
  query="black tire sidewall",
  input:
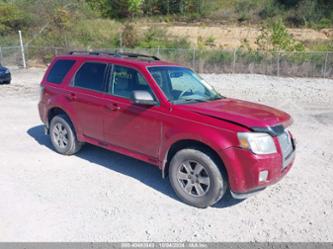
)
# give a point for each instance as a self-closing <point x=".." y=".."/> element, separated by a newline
<point x="217" y="181"/>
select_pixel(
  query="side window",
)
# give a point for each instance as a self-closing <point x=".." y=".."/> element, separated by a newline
<point x="59" y="71"/>
<point x="91" y="76"/>
<point x="125" y="80"/>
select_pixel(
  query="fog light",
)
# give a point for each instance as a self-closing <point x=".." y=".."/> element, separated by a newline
<point x="263" y="176"/>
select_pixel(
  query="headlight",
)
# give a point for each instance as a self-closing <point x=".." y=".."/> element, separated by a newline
<point x="258" y="143"/>
<point x="7" y="71"/>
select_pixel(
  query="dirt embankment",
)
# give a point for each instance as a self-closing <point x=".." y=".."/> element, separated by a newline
<point x="226" y="36"/>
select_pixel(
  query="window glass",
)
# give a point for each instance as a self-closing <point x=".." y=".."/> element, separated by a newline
<point x="91" y="76"/>
<point x="182" y="81"/>
<point x="59" y="71"/>
<point x="183" y="85"/>
<point x="125" y="80"/>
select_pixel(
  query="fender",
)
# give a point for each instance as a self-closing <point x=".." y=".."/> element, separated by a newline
<point x="223" y="139"/>
<point x="62" y="103"/>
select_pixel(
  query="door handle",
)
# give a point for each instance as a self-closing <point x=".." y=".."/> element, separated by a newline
<point x="71" y="96"/>
<point x="113" y="107"/>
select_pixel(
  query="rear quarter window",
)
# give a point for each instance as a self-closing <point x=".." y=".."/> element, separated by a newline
<point x="59" y="71"/>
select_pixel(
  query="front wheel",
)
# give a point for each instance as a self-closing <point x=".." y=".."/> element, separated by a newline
<point x="196" y="178"/>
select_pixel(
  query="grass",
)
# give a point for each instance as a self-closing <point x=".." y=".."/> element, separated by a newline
<point x="102" y="33"/>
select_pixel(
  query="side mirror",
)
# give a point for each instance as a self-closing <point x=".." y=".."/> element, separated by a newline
<point x="143" y="98"/>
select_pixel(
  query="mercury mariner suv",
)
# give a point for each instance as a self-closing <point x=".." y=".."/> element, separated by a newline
<point x="166" y="115"/>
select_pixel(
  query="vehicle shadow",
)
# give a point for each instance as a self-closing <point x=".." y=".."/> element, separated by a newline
<point x="144" y="172"/>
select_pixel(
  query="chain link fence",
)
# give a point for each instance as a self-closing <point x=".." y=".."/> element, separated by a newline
<point x="285" y="64"/>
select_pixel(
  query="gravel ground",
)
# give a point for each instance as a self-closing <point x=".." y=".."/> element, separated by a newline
<point x="103" y="196"/>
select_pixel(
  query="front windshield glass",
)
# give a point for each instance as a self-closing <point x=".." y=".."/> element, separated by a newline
<point x="182" y="85"/>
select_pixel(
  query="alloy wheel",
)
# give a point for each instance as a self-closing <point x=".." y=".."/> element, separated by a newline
<point x="193" y="178"/>
<point x="60" y="135"/>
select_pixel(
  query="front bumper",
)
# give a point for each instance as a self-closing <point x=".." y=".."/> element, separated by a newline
<point x="244" y="167"/>
<point x="241" y="196"/>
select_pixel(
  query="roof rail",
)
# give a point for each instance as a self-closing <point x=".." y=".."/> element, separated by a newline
<point x="135" y="55"/>
<point x="116" y="54"/>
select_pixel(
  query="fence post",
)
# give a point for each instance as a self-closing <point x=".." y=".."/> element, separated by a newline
<point x="325" y="65"/>
<point x="158" y="51"/>
<point x="22" y="50"/>
<point x="1" y="57"/>
<point x="278" y="64"/>
<point x="193" y="58"/>
<point x="121" y="41"/>
<point x="234" y="61"/>
<point x="26" y="52"/>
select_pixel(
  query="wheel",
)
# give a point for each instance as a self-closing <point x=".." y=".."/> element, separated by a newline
<point x="63" y="136"/>
<point x="7" y="82"/>
<point x="196" y="178"/>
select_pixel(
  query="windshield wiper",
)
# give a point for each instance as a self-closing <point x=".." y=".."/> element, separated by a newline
<point x="188" y="100"/>
<point x="198" y="100"/>
<point x="217" y="97"/>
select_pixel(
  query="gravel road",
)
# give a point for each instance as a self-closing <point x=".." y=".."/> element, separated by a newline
<point x="103" y="196"/>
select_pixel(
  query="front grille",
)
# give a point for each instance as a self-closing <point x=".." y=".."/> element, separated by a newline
<point x="286" y="146"/>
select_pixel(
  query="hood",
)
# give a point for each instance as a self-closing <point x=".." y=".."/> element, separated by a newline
<point x="248" y="114"/>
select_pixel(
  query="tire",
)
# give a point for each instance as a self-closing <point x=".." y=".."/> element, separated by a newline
<point x="7" y="82"/>
<point x="204" y="185"/>
<point x="67" y="143"/>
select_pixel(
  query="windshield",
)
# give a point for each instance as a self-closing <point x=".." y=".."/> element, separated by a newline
<point x="182" y="85"/>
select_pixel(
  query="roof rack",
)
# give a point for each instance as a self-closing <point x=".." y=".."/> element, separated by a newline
<point x="116" y="54"/>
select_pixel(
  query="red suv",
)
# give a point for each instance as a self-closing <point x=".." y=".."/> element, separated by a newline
<point x="166" y="115"/>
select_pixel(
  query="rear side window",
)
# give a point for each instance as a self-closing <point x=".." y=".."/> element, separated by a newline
<point x="59" y="71"/>
<point x="91" y="76"/>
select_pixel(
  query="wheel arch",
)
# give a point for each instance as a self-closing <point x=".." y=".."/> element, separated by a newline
<point x="195" y="144"/>
<point x="56" y="110"/>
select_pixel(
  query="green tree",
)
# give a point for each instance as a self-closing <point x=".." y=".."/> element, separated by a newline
<point x="275" y="36"/>
<point x="135" y="7"/>
<point x="11" y="18"/>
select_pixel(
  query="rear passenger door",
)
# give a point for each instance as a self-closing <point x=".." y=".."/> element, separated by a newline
<point x="87" y="94"/>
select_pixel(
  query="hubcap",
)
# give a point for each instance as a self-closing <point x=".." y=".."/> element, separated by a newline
<point x="60" y="135"/>
<point x="193" y="178"/>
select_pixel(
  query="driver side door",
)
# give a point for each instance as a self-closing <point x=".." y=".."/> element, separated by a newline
<point x="134" y="127"/>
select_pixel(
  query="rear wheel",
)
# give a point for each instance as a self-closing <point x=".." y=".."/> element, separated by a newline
<point x="196" y="178"/>
<point x="63" y="136"/>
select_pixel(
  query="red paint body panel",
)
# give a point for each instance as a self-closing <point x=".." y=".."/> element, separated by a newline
<point x="243" y="168"/>
<point x="148" y="132"/>
<point x="241" y="112"/>
<point x="133" y="127"/>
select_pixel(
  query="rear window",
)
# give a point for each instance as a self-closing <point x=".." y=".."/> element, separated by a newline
<point x="59" y="71"/>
